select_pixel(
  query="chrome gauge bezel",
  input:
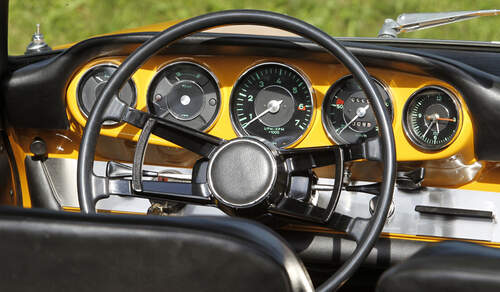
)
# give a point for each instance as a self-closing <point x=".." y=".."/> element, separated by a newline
<point x="303" y="76"/>
<point x="167" y="65"/>
<point x="411" y="136"/>
<point x="89" y="70"/>
<point x="326" y="124"/>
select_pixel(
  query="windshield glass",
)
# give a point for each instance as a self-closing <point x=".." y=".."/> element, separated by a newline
<point x="67" y="21"/>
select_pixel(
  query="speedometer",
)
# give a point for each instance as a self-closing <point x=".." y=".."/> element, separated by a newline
<point x="272" y="101"/>
<point x="348" y="116"/>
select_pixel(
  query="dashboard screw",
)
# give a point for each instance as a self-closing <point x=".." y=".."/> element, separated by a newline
<point x="212" y="102"/>
<point x="158" y="98"/>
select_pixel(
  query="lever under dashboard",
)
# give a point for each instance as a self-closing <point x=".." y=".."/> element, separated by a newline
<point x="119" y="170"/>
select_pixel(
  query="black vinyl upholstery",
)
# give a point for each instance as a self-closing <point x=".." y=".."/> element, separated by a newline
<point x="60" y="251"/>
<point x="447" y="266"/>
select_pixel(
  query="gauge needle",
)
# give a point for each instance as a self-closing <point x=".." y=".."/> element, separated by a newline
<point x="440" y="119"/>
<point x="273" y="106"/>
<point x="360" y="112"/>
<point x="429" y="127"/>
<point x="446" y="119"/>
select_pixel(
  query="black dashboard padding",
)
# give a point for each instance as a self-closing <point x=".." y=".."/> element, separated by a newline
<point x="61" y="251"/>
<point x="35" y="94"/>
<point x="446" y="266"/>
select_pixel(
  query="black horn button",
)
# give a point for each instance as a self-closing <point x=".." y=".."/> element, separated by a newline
<point x="242" y="172"/>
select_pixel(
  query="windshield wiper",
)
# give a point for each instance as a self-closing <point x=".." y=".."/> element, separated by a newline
<point x="415" y="21"/>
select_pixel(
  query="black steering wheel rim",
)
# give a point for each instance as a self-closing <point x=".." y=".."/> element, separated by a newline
<point x="270" y="19"/>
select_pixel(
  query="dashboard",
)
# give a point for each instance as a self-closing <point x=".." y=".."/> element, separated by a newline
<point x="288" y="101"/>
<point x="442" y="99"/>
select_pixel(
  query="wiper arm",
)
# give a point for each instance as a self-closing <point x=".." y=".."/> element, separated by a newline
<point x="415" y="21"/>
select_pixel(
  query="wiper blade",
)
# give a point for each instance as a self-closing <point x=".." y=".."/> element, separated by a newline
<point x="415" y="21"/>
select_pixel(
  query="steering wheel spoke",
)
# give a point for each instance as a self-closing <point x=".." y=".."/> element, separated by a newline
<point x="302" y="159"/>
<point x="190" y="139"/>
<point x="306" y="214"/>
<point x="371" y="149"/>
<point x="160" y="190"/>
<point x="299" y="210"/>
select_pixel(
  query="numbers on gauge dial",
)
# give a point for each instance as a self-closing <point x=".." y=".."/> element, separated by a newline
<point x="347" y="114"/>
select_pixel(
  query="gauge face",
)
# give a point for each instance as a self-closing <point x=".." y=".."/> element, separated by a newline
<point x="274" y="102"/>
<point x="431" y="118"/>
<point x="93" y="82"/>
<point x="347" y="114"/>
<point x="185" y="93"/>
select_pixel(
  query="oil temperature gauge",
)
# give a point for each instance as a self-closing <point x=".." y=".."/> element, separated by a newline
<point x="432" y="118"/>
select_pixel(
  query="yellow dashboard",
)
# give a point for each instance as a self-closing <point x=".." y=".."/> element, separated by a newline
<point x="227" y="70"/>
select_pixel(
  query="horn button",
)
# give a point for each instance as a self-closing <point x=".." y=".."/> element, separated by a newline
<point x="242" y="172"/>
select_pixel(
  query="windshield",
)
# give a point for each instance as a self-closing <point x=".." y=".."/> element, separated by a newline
<point x="67" y="21"/>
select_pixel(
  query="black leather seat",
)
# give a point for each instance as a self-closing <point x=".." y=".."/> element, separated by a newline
<point x="59" y="251"/>
<point x="447" y="266"/>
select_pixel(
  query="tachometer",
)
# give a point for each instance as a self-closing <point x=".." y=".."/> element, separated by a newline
<point x="431" y="118"/>
<point x="272" y="101"/>
<point x="348" y="117"/>
<point x="186" y="93"/>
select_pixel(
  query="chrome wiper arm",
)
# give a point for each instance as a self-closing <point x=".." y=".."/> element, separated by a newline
<point x="415" y="21"/>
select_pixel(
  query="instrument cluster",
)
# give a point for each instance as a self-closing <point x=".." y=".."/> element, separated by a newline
<point x="276" y="101"/>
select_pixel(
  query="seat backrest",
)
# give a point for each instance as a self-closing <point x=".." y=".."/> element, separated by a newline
<point x="446" y="266"/>
<point x="59" y="251"/>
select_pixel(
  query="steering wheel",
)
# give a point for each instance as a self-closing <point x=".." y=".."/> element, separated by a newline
<point x="225" y="176"/>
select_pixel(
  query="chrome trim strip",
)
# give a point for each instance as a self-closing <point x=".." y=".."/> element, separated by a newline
<point x="406" y="220"/>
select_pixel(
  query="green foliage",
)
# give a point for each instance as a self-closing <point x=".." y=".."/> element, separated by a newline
<point x="65" y="21"/>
